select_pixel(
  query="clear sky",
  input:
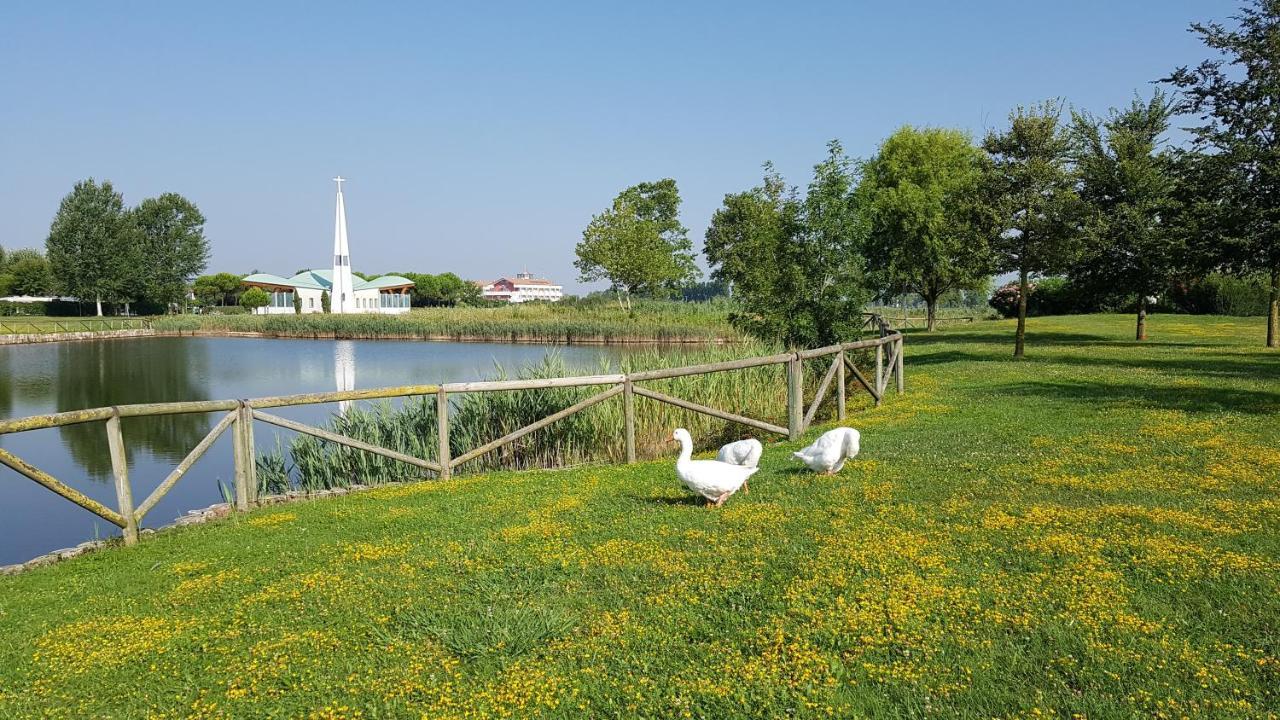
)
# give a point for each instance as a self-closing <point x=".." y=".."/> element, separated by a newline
<point x="480" y="138"/>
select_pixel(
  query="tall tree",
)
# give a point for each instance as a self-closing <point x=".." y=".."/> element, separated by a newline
<point x="1032" y="188"/>
<point x="1236" y="98"/>
<point x="174" y="248"/>
<point x="91" y="244"/>
<point x="794" y="264"/>
<point x="1128" y="184"/>
<point x="638" y="244"/>
<point x="929" y="229"/>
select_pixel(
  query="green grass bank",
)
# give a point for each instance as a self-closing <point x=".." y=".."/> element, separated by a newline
<point x="577" y="322"/>
<point x="1092" y="532"/>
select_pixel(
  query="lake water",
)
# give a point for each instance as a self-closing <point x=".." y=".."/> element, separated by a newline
<point x="55" y="377"/>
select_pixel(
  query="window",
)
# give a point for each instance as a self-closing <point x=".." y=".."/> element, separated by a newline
<point x="311" y="303"/>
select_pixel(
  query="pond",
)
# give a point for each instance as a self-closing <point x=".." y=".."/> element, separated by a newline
<point x="55" y="377"/>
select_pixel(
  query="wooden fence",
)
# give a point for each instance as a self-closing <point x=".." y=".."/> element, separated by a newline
<point x="239" y="416"/>
<point x="38" y="325"/>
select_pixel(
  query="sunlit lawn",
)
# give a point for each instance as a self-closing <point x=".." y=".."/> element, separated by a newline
<point x="1094" y="531"/>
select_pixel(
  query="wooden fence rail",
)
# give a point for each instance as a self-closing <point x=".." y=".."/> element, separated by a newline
<point x="240" y="415"/>
<point x="39" y="324"/>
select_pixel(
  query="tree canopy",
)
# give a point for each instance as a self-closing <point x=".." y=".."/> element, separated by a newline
<point x="173" y="246"/>
<point x="92" y="244"/>
<point x="638" y="244"/>
<point x="1236" y="98"/>
<point x="1032" y="189"/>
<point x="795" y="265"/>
<point x="929" y="228"/>
<point x="1128" y="184"/>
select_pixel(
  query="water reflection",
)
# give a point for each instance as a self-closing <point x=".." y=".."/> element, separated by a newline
<point x="99" y="374"/>
<point x="344" y="370"/>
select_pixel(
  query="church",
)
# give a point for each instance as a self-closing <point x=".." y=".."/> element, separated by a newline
<point x="348" y="294"/>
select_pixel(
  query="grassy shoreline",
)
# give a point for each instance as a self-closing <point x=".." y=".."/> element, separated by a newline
<point x="658" y="322"/>
<point x="1094" y="531"/>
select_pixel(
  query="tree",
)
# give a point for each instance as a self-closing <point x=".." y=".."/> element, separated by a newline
<point x="795" y="265"/>
<point x="928" y="228"/>
<point x="638" y="244"/>
<point x="174" y="248"/>
<point x="297" y="304"/>
<point x="1032" y="190"/>
<point x="1236" y="97"/>
<point x="220" y="289"/>
<point x="24" y="272"/>
<point x="91" y="244"/>
<point x="1128" y="185"/>
<point x="326" y="303"/>
<point x="254" y="298"/>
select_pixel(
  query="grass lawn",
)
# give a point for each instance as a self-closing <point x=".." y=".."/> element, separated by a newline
<point x="1092" y="532"/>
<point x="38" y="324"/>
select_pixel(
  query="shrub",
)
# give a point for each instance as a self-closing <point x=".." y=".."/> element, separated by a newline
<point x="254" y="298"/>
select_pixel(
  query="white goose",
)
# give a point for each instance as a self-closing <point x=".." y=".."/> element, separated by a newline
<point x="828" y="453"/>
<point x="743" y="452"/>
<point x="712" y="479"/>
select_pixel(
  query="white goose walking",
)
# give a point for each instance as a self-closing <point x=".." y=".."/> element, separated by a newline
<point x="712" y="479"/>
<point x="828" y="453"/>
<point x="743" y="452"/>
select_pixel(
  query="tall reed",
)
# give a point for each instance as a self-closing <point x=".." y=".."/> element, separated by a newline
<point x="595" y="434"/>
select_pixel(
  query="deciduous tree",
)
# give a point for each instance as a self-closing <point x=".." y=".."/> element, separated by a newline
<point x="1032" y="188"/>
<point x="794" y="264"/>
<point x="929" y="229"/>
<point x="92" y="244"/>
<point x="1128" y="184"/>
<point x="1236" y="98"/>
<point x="638" y="244"/>
<point x="174" y="248"/>
<point x="254" y="298"/>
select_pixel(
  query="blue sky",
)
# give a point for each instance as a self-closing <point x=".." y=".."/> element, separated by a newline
<point x="480" y="137"/>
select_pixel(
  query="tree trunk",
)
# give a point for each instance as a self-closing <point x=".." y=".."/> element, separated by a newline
<point x="99" y="301"/>
<point x="932" y="313"/>
<point x="1273" y="310"/>
<point x="1024" y="289"/>
<point x="1142" y="316"/>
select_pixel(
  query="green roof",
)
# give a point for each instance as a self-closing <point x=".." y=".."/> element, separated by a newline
<point x="323" y="280"/>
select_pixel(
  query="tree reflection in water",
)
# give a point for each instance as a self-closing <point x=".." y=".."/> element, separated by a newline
<point x="102" y="373"/>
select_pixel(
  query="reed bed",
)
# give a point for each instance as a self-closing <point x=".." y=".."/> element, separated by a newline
<point x="570" y="322"/>
<point x="593" y="435"/>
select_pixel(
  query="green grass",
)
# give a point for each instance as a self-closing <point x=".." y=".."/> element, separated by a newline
<point x="653" y="321"/>
<point x="30" y="324"/>
<point x="1093" y="531"/>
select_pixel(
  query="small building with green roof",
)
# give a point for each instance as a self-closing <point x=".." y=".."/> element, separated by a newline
<point x="387" y="295"/>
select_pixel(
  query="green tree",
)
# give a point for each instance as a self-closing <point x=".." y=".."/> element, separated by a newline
<point x="1236" y="96"/>
<point x="326" y="303"/>
<point x="174" y="248"/>
<point x="25" y="272"/>
<point x="254" y="298"/>
<point x="928" y="227"/>
<point x="795" y="265"/>
<point x="638" y="244"/>
<point x="297" y="304"/>
<point x="219" y="289"/>
<point x="1033" y="192"/>
<point x="92" y="244"/>
<point x="1128" y="184"/>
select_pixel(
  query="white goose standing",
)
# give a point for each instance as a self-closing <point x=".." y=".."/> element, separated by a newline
<point x="828" y="453"/>
<point x="712" y="479"/>
<point x="743" y="452"/>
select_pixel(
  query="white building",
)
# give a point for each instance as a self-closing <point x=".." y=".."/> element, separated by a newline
<point x="524" y="287"/>
<point x="388" y="295"/>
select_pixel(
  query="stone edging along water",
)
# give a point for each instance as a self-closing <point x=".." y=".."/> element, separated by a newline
<point x="217" y="511"/>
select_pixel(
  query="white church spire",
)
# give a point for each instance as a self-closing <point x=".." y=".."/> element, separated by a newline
<point x="342" y="297"/>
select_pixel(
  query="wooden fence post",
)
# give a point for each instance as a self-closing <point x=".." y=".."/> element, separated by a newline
<point x="120" y="471"/>
<point x="629" y="418"/>
<point x="442" y="432"/>
<point x="901" y="382"/>
<point x="840" y="409"/>
<point x="246" y="460"/>
<point x="795" y="397"/>
<point x="880" y="370"/>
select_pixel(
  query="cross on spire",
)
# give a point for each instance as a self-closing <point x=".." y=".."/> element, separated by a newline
<point x="339" y="180"/>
